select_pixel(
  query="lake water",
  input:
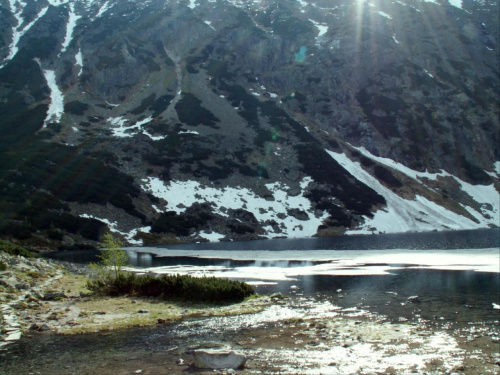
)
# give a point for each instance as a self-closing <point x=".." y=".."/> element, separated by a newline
<point x="456" y="276"/>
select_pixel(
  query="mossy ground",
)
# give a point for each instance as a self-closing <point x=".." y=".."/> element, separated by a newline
<point x="84" y="312"/>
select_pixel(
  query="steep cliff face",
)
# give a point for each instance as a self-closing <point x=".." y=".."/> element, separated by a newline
<point x="192" y="120"/>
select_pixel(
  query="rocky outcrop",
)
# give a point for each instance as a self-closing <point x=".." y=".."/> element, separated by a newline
<point x="233" y="114"/>
<point x="21" y="288"/>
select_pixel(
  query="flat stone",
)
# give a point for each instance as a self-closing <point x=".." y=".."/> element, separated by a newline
<point x="14" y="336"/>
<point x="218" y="359"/>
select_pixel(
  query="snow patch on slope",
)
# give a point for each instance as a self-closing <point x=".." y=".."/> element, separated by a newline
<point x="456" y="3"/>
<point x="112" y="225"/>
<point x="18" y="31"/>
<point x="56" y="107"/>
<point x="104" y="7"/>
<point x="122" y="131"/>
<point x="72" y="20"/>
<point x="486" y="195"/>
<point x="183" y="194"/>
<point x="323" y="29"/>
<point x="402" y="215"/>
<point x="79" y="61"/>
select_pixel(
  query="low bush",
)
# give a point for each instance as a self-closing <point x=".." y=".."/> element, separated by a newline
<point x="208" y="289"/>
<point x="12" y="249"/>
<point x="3" y="266"/>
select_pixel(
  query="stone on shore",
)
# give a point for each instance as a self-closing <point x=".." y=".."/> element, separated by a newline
<point x="218" y="359"/>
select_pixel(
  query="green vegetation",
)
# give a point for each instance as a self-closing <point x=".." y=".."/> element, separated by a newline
<point x="109" y="279"/>
<point x="191" y="112"/>
<point x="113" y="258"/>
<point x="3" y="266"/>
<point x="208" y="289"/>
<point x="12" y="249"/>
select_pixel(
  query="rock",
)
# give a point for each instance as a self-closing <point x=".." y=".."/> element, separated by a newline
<point x="44" y="327"/>
<point x="34" y="327"/>
<point x="52" y="296"/>
<point x="22" y="286"/>
<point x="14" y="336"/>
<point x="143" y="312"/>
<point x="414" y="299"/>
<point x="180" y="362"/>
<point x="219" y="359"/>
<point x="298" y="214"/>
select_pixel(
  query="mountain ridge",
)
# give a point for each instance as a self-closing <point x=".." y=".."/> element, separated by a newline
<point x="326" y="117"/>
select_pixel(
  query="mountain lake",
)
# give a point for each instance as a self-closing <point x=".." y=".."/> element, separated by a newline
<point x="425" y="303"/>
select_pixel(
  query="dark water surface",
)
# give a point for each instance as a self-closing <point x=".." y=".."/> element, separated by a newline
<point x="459" y="301"/>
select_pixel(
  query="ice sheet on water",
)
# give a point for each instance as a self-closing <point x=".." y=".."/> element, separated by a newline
<point x="334" y="262"/>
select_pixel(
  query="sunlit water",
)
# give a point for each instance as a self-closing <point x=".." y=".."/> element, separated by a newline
<point x="361" y="292"/>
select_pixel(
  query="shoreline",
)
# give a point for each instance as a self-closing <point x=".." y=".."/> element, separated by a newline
<point x="278" y="335"/>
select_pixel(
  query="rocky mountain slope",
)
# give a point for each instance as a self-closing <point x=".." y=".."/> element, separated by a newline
<point x="220" y="120"/>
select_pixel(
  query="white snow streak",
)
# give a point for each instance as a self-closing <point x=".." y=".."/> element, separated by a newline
<point x="56" y="107"/>
<point x="323" y="29"/>
<point x="456" y="3"/>
<point x="212" y="237"/>
<point x="395" y="40"/>
<point x="122" y="131"/>
<point x="72" y="20"/>
<point x="18" y="31"/>
<point x="79" y="61"/>
<point x="486" y="195"/>
<point x="209" y="23"/>
<point x="496" y="166"/>
<point x="182" y="194"/>
<point x="113" y="228"/>
<point x="57" y="3"/>
<point x="403" y="215"/>
<point x="103" y="9"/>
<point x="383" y="14"/>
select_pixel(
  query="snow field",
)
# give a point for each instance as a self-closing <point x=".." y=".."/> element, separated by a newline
<point x="183" y="194"/>
<point x="402" y="215"/>
<point x="486" y="195"/>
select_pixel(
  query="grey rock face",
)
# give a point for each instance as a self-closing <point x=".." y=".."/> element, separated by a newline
<point x="247" y="100"/>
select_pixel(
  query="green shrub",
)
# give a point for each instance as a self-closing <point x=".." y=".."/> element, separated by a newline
<point x="185" y="287"/>
<point x="12" y="249"/>
<point x="113" y="258"/>
<point x="3" y="266"/>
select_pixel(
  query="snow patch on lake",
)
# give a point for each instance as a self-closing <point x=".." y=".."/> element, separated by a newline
<point x="183" y="194"/>
<point x="271" y="265"/>
<point x="402" y="215"/>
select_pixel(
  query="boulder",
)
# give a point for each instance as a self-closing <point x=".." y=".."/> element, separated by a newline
<point x="414" y="299"/>
<point x="218" y="359"/>
<point x="53" y="296"/>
